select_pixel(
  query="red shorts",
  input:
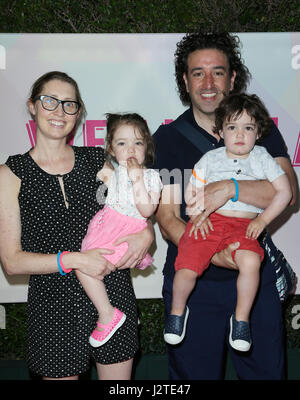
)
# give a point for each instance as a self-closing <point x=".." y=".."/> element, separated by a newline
<point x="195" y="254"/>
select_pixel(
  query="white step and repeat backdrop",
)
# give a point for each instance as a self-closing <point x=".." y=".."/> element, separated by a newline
<point x="135" y="72"/>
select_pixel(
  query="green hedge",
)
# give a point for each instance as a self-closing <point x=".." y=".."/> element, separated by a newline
<point x="99" y="16"/>
<point x="13" y="338"/>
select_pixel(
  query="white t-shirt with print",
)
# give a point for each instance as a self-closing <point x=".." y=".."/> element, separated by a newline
<point x="215" y="165"/>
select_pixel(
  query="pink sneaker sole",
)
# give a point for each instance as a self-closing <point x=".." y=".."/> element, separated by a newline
<point x="98" y="338"/>
<point x="146" y="262"/>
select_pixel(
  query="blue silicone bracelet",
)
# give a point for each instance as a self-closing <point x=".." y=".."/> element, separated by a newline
<point x="58" y="264"/>
<point x="235" y="198"/>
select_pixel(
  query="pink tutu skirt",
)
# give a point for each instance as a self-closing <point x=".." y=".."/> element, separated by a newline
<point x="109" y="225"/>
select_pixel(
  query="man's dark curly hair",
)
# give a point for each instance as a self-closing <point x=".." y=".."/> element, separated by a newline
<point x="225" y="42"/>
<point x="232" y="107"/>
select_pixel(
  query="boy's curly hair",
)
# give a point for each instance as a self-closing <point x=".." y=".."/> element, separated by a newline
<point x="232" y="106"/>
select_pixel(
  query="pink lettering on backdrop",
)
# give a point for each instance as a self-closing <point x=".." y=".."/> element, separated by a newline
<point x="90" y="129"/>
<point x="90" y="139"/>
<point x="31" y="130"/>
<point x="296" y="160"/>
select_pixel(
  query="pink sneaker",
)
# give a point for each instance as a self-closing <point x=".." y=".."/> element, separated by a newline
<point x="98" y="338"/>
<point x="146" y="262"/>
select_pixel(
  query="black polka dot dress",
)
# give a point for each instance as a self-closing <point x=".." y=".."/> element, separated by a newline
<point x="60" y="315"/>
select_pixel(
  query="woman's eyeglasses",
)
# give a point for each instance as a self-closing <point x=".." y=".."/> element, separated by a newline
<point x="50" y="103"/>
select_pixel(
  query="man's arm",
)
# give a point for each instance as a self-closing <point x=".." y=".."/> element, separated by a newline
<point x="258" y="193"/>
<point x="288" y="169"/>
<point x="216" y="194"/>
<point x="278" y="204"/>
<point x="261" y="193"/>
<point x="171" y="225"/>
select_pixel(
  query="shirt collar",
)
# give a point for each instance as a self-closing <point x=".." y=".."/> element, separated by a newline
<point x="190" y="116"/>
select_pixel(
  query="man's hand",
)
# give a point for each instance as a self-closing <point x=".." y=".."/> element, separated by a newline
<point x="224" y="257"/>
<point x="214" y="196"/>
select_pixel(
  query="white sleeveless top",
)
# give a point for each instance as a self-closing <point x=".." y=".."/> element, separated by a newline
<point x="120" y="192"/>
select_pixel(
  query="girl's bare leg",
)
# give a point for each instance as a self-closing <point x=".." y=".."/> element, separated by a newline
<point x="96" y="291"/>
<point x="248" y="264"/>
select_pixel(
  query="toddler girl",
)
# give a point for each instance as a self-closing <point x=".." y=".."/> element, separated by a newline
<point x="133" y="195"/>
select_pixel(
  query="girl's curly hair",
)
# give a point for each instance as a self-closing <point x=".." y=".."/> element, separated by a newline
<point x="225" y="42"/>
<point x="114" y="121"/>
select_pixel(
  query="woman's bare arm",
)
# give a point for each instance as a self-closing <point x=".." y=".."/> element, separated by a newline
<point x="16" y="261"/>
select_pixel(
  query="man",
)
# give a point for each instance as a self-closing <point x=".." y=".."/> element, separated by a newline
<point x="208" y="67"/>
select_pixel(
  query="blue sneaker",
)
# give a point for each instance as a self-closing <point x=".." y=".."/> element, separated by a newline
<point x="239" y="337"/>
<point x="175" y="327"/>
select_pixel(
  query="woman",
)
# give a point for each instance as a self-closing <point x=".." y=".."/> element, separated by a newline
<point x="49" y="199"/>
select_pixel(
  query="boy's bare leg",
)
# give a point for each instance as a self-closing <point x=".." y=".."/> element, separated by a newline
<point x="248" y="264"/>
<point x="183" y="284"/>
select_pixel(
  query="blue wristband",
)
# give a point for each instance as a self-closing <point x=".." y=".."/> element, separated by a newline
<point x="58" y="264"/>
<point x="235" y="198"/>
